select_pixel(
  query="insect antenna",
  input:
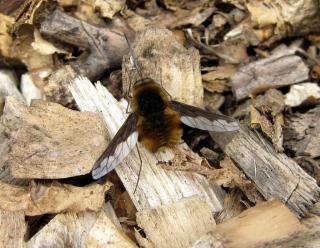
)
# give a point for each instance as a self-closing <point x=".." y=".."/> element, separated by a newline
<point x="135" y="62"/>
<point x="127" y="93"/>
<point x="139" y="173"/>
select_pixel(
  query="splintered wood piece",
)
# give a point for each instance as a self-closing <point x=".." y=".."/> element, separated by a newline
<point x="275" y="174"/>
<point x="13" y="198"/>
<point x="276" y="71"/>
<point x="49" y="141"/>
<point x="57" y="198"/>
<point x="264" y="222"/>
<point x="85" y="229"/>
<point x="13" y="229"/>
<point x="106" y="44"/>
<point x="302" y="133"/>
<point x="160" y="56"/>
<point x="52" y="198"/>
<point x="176" y="225"/>
<point x="105" y="234"/>
<point x="156" y="186"/>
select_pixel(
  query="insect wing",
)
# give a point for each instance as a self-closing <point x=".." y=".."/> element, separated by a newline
<point x="119" y="147"/>
<point x="204" y="120"/>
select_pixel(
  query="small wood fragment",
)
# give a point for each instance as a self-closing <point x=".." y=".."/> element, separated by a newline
<point x="105" y="234"/>
<point x="13" y="198"/>
<point x="85" y="229"/>
<point x="217" y="80"/>
<point x="285" y="18"/>
<point x="275" y="174"/>
<point x="106" y="44"/>
<point x="50" y="141"/>
<point x="264" y="222"/>
<point x="278" y="70"/>
<point x="13" y="229"/>
<point x="52" y="198"/>
<point x="302" y="133"/>
<point x="57" y="198"/>
<point x="309" y="238"/>
<point x="161" y="57"/>
<point x="176" y="225"/>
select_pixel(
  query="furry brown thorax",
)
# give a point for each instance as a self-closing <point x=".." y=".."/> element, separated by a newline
<point x="157" y="123"/>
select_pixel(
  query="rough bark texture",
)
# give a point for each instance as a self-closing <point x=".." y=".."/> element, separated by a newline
<point x="158" y="55"/>
<point x="275" y="174"/>
<point x="49" y="141"/>
<point x="106" y="46"/>
<point x="302" y="133"/>
<point x="276" y="71"/>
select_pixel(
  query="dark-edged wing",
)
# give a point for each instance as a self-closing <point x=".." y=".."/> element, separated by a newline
<point x="204" y="120"/>
<point x="120" y="146"/>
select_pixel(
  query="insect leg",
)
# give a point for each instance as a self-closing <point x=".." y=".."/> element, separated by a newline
<point x="127" y="93"/>
<point x="139" y="173"/>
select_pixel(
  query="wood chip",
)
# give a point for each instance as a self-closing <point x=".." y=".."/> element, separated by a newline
<point x="13" y="229"/>
<point x="52" y="198"/>
<point x="57" y="198"/>
<point x="50" y="141"/>
<point x="105" y="234"/>
<point x="85" y="229"/>
<point x="217" y="80"/>
<point x="275" y="174"/>
<point x="276" y="71"/>
<point x="264" y="222"/>
<point x="156" y="50"/>
<point x="5" y="37"/>
<point x="109" y="8"/>
<point x="176" y="225"/>
<point x="302" y="131"/>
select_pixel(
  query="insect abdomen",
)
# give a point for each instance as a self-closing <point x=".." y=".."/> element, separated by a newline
<point x="160" y="129"/>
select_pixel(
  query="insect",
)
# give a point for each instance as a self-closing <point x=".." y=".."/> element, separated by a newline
<point x="156" y="121"/>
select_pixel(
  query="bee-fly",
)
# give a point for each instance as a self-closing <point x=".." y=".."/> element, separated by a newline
<point x="156" y="121"/>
